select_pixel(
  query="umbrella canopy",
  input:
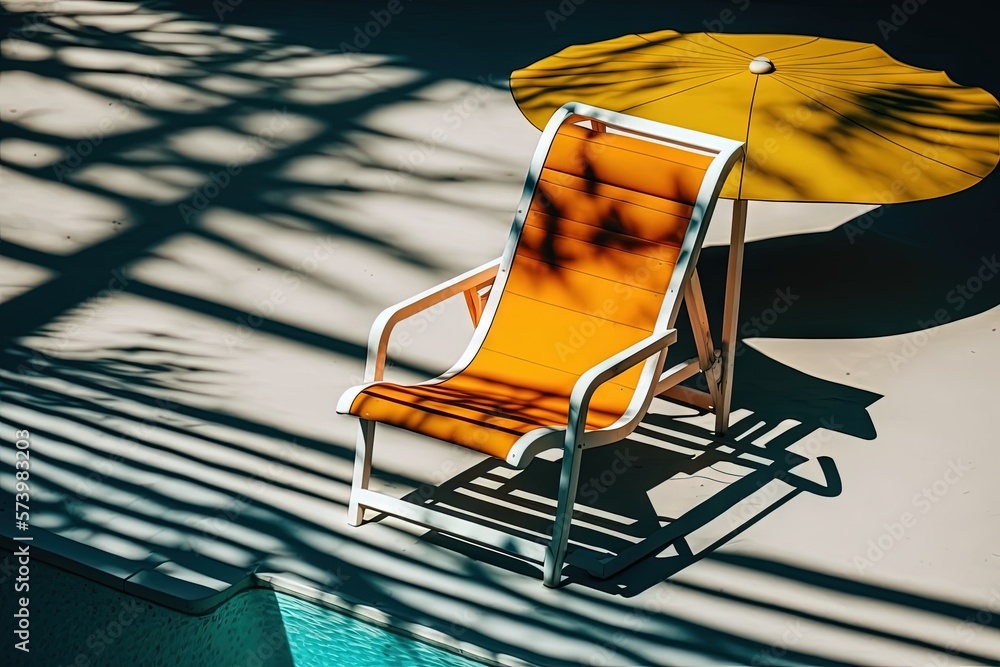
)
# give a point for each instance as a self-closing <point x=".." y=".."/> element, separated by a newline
<point x="824" y="120"/>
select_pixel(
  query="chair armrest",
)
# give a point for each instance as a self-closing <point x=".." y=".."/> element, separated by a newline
<point x="378" y="339"/>
<point x="587" y="384"/>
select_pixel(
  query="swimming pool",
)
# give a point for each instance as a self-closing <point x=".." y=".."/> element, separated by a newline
<point x="77" y="622"/>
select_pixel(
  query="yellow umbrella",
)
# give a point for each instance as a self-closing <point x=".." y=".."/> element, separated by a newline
<point x="823" y="120"/>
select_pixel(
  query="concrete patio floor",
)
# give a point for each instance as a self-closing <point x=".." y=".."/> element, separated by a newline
<point x="203" y="210"/>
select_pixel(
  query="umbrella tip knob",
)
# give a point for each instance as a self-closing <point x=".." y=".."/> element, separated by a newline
<point x="761" y="65"/>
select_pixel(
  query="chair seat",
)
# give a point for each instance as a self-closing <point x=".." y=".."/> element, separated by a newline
<point x="483" y="413"/>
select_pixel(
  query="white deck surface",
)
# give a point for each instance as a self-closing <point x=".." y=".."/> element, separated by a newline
<point x="179" y="376"/>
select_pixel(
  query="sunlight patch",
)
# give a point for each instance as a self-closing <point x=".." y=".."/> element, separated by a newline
<point x="151" y="91"/>
<point x="119" y="23"/>
<point x="22" y="49"/>
<point x="235" y="86"/>
<point x="29" y="153"/>
<point x="249" y="33"/>
<point x="66" y="110"/>
<point x="130" y="181"/>
<point x="83" y="57"/>
<point x="55" y="218"/>
<point x="18" y="277"/>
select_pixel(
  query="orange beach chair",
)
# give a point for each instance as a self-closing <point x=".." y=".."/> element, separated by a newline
<point x="573" y="321"/>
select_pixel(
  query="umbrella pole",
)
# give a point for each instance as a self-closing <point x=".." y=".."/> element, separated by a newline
<point x="730" y="318"/>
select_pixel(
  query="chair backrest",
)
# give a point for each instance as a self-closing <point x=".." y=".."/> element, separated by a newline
<point x="606" y="233"/>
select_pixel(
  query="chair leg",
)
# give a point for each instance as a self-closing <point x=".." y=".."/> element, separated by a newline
<point x="362" y="470"/>
<point x="694" y="299"/>
<point x="730" y="319"/>
<point x="555" y="552"/>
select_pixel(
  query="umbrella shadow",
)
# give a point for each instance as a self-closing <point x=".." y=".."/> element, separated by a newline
<point x="895" y="270"/>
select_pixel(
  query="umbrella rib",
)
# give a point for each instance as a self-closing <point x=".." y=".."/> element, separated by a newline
<point x="976" y="107"/>
<point x="822" y="80"/>
<point x="663" y="65"/>
<point x="878" y="134"/>
<point x="872" y="85"/>
<point x="810" y="83"/>
<point x="692" y="55"/>
<point x="556" y="73"/>
<point x="857" y="104"/>
<point x="715" y="56"/>
<point x="663" y="97"/>
<point x="663" y="57"/>
<point x="689" y="78"/>
<point x="746" y="139"/>
<point x="589" y="85"/>
<point x="587" y="66"/>
<point x="833" y="55"/>
<point x="734" y="48"/>
<point x="846" y="73"/>
<point x="674" y="46"/>
<point x="834" y="62"/>
<point x="622" y="60"/>
<point x="824" y="66"/>
<point x="794" y="46"/>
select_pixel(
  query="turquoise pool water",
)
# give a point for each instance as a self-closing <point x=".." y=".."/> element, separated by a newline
<point x="320" y="637"/>
<point x="77" y="622"/>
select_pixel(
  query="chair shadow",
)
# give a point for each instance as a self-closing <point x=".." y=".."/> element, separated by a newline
<point x="673" y="488"/>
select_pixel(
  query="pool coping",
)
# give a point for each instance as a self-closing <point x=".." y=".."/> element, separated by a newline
<point x="144" y="580"/>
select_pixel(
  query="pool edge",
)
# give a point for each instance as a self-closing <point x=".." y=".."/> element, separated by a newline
<point x="142" y="580"/>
